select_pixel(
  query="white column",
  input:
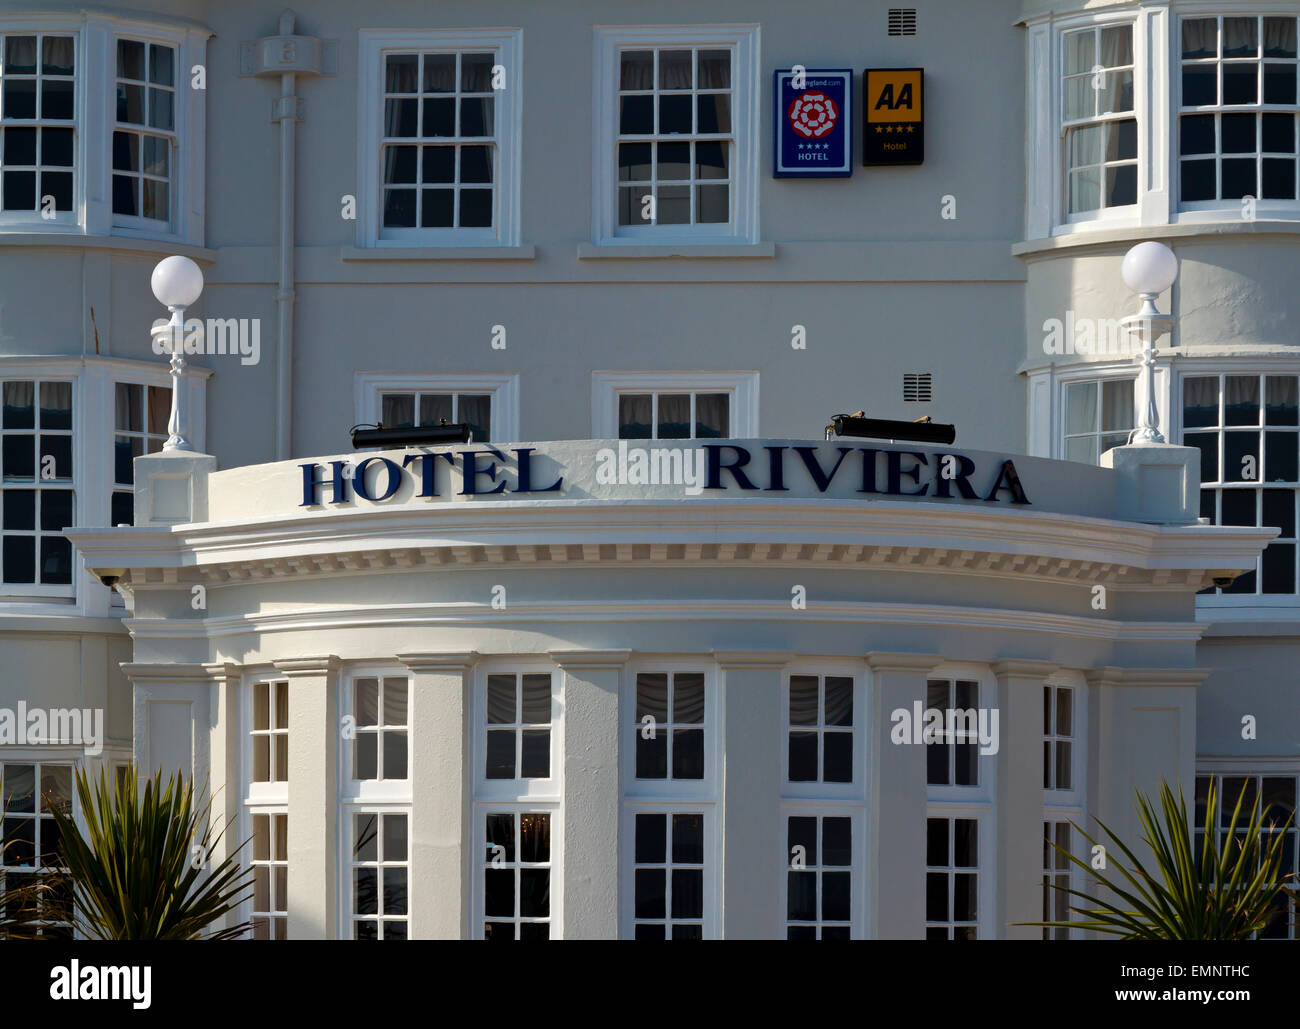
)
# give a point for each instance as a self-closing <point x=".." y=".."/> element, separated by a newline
<point x="897" y="804"/>
<point x="592" y="791"/>
<point x="1019" y="853"/>
<point x="313" y="796"/>
<point x="440" y="830"/>
<point x="753" y="846"/>
<point x="1141" y="730"/>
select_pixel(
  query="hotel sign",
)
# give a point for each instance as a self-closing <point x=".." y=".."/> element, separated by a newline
<point x="652" y="469"/>
<point x="813" y="135"/>
<point x="894" y="131"/>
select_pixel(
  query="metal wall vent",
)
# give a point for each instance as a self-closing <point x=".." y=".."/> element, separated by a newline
<point x="918" y="387"/>
<point x="902" y="21"/>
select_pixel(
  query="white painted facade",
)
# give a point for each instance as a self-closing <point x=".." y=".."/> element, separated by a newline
<point x="614" y="597"/>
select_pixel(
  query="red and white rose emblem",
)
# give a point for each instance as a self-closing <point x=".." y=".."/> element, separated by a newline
<point x="813" y="115"/>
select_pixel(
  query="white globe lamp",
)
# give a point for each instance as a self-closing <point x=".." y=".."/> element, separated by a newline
<point x="176" y="283"/>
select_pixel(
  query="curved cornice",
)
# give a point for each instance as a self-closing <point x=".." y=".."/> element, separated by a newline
<point x="876" y="534"/>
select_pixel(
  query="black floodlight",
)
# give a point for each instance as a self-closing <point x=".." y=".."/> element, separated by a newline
<point x="920" y="431"/>
<point x="420" y="435"/>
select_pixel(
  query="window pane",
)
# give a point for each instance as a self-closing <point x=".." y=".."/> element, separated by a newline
<point x="537" y="699"/>
<point x="688" y="698"/>
<point x="651" y="839"/>
<point x="1081" y="408"/>
<point x="1200" y="37"/>
<point x="501" y="700"/>
<point x="1241" y="400"/>
<point x="839" y="700"/>
<point x="711" y="409"/>
<point x="634" y="416"/>
<point x="803" y="699"/>
<point x="674" y="416"/>
<point x="838" y="753"/>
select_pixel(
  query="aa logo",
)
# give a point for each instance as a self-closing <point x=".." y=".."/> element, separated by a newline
<point x="888" y="99"/>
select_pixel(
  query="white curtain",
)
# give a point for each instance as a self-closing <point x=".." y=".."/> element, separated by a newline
<point x="1279" y="37"/>
<point x="711" y="410"/>
<point x="636" y="69"/>
<point x="58" y="56"/>
<point x="1200" y="37"/>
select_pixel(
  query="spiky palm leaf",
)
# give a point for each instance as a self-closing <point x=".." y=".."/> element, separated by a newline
<point x="1222" y="893"/>
<point x="140" y="871"/>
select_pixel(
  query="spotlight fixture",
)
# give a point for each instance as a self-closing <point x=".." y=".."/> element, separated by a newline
<point x="380" y="435"/>
<point x="920" y="431"/>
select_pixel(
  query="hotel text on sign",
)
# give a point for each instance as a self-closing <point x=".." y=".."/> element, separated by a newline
<point x="894" y="131"/>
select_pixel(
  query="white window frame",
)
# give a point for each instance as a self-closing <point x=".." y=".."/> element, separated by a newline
<point x="1070" y="805"/>
<point x="478" y="899"/>
<point x="856" y="867"/>
<point x="1072" y="799"/>
<point x="1220" y="210"/>
<point x="61" y="219"/>
<point x="178" y="88"/>
<point x="256" y="798"/>
<point x="986" y="921"/>
<point x="1097" y="433"/>
<point x="743" y="41"/>
<point x="674" y="796"/>
<point x="1157" y="45"/>
<point x="346" y="844"/>
<point x="977" y="802"/>
<point x="94" y="384"/>
<point x="517" y="790"/>
<point x="1232" y="606"/>
<point x="374" y="46"/>
<point x="76" y="485"/>
<point x="1046" y="414"/>
<point x="740" y="386"/>
<point x="75" y="758"/>
<point x="1260" y="767"/>
<point x="145" y="435"/>
<point x="670" y="789"/>
<point x="1104" y="213"/>
<point x="503" y="388"/>
<point x="985" y="791"/>
<point x="853" y="793"/>
<point x="96" y="36"/>
<point x="712" y="920"/>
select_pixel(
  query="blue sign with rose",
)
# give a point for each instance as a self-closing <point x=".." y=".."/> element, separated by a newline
<point x="813" y="131"/>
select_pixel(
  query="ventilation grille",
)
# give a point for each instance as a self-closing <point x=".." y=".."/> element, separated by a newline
<point x="902" y="21"/>
<point x="917" y="387"/>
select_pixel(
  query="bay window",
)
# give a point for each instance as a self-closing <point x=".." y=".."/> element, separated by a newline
<point x="1237" y="112"/>
<point x="1247" y="428"/>
<point x="100" y="131"/>
<point x="38" y="114"/>
<point x="1101" y="137"/>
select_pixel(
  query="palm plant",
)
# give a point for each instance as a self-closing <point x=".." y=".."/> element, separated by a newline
<point x="139" y="872"/>
<point x="1226" y="892"/>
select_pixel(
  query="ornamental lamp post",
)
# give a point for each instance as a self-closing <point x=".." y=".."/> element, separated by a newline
<point x="177" y="283"/>
<point x="1149" y="269"/>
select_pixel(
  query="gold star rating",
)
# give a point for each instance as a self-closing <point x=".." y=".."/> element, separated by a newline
<point x="880" y="128"/>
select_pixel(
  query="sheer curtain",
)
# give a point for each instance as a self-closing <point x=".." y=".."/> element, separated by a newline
<point x="58" y="55"/>
<point x="711" y="410"/>
<point x="1279" y="37"/>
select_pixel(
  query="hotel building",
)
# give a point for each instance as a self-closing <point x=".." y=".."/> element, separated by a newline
<point x="646" y="657"/>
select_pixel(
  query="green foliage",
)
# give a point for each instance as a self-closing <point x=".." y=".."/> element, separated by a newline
<point x="140" y="870"/>
<point x="1221" y="893"/>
